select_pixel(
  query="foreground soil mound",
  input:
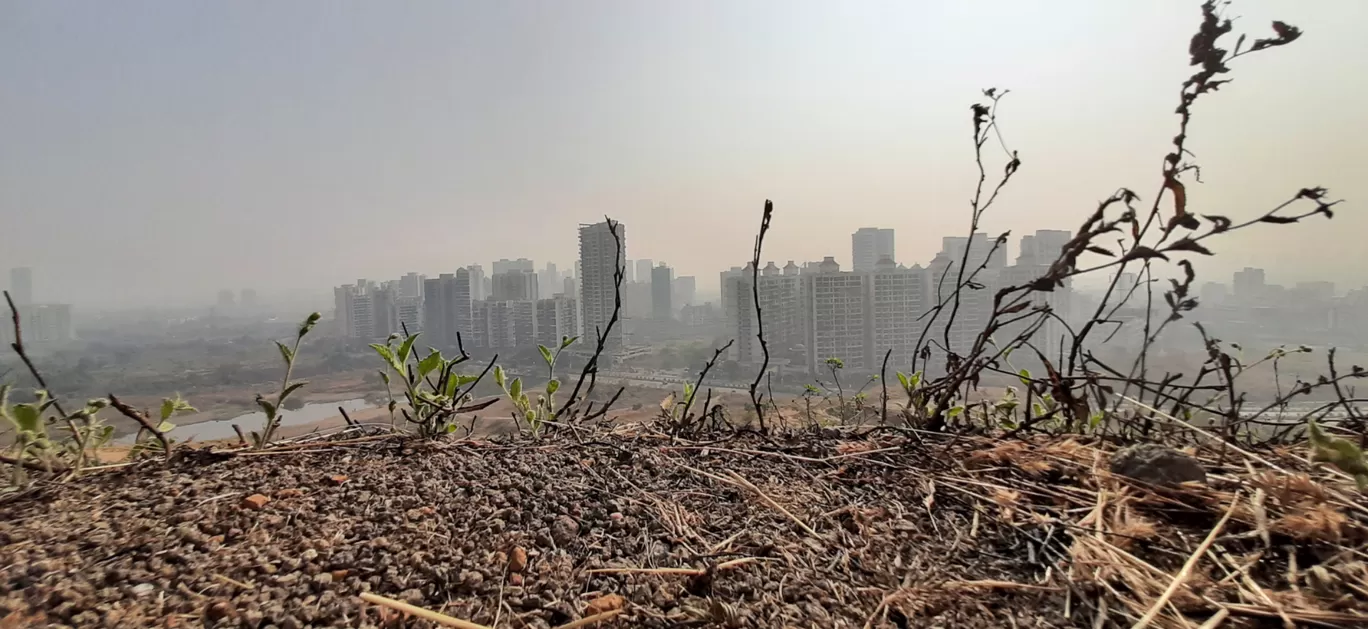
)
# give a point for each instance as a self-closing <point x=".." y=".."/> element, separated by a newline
<point x="883" y="530"/>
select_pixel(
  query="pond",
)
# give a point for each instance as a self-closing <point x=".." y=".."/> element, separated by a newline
<point x="223" y="428"/>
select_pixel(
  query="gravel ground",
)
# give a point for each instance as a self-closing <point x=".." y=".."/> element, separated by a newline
<point x="508" y="534"/>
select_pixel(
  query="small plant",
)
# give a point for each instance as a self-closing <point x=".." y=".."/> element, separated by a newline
<point x="434" y="391"/>
<point x="33" y="447"/>
<point x="273" y="408"/>
<point x="1341" y="453"/>
<point x="146" y="443"/>
<point x="535" y="414"/>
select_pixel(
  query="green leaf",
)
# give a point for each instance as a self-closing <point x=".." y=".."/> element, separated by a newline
<point x="28" y="418"/>
<point x="286" y="353"/>
<point x="384" y="375"/>
<point x="902" y="380"/>
<point x="955" y="411"/>
<point x="429" y="364"/>
<point x="688" y="390"/>
<point x="450" y="428"/>
<point x="266" y="406"/>
<point x="168" y="408"/>
<point x="552" y="386"/>
<point x="291" y="389"/>
<point x="915" y="379"/>
<point x="102" y="436"/>
<point x="546" y="355"/>
<point x="308" y="324"/>
<point x="387" y="353"/>
<point x="499" y="376"/>
<point x="1025" y="376"/>
<point x="567" y="341"/>
<point x="406" y="350"/>
<point x="515" y="389"/>
<point x="166" y="427"/>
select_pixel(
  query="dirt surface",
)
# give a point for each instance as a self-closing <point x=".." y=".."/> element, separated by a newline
<point x="831" y="531"/>
<point x="436" y="525"/>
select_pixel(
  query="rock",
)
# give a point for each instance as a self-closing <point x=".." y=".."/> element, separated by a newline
<point x="517" y="560"/>
<point x="338" y="479"/>
<point x="1157" y="465"/>
<point x="219" y="610"/>
<point x="338" y="575"/>
<point x="564" y="530"/>
<point x="255" y="502"/>
<point x="605" y="603"/>
<point x="515" y="579"/>
<point x="289" y="493"/>
<point x="323" y="578"/>
<point x="143" y="590"/>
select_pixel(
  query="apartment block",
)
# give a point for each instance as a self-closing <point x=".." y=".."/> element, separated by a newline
<point x="601" y="257"/>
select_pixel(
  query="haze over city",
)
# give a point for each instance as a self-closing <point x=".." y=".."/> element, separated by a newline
<point x="155" y="153"/>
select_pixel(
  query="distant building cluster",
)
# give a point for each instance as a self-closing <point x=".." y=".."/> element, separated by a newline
<point x="519" y="306"/>
<point x="819" y="311"/>
<point x="40" y="323"/>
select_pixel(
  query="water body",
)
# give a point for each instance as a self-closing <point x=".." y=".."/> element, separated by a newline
<point x="223" y="428"/>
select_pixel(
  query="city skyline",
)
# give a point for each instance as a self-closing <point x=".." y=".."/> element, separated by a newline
<point x="236" y="163"/>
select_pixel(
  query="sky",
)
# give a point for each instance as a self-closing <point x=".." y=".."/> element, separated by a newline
<point x="159" y="151"/>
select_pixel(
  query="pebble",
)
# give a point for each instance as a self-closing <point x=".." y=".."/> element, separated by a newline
<point x="142" y="590"/>
<point x="255" y="502"/>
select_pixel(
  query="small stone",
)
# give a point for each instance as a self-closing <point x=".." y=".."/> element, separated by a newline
<point x="517" y="561"/>
<point x="338" y="575"/>
<point x="615" y="516"/>
<point x="323" y="578"/>
<point x="255" y="502"/>
<point x="143" y="590"/>
<point x="338" y="479"/>
<point x="564" y="530"/>
<point x="219" y="610"/>
<point x="1157" y="465"/>
<point x="290" y="493"/>
<point x="605" y="603"/>
<point x="309" y="554"/>
<point x="515" y="579"/>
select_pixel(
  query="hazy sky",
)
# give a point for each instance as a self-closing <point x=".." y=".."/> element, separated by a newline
<point x="164" y="150"/>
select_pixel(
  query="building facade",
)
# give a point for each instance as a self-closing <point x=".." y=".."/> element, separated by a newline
<point x="868" y="245"/>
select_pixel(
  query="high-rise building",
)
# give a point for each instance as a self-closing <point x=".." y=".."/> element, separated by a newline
<point x="781" y="310"/>
<point x="898" y="297"/>
<point x="836" y="303"/>
<point x="41" y="324"/>
<point x="557" y="317"/>
<point x="1043" y="247"/>
<point x="644" y="270"/>
<point x="662" y="284"/>
<point x="568" y="288"/>
<point x="226" y="299"/>
<point x="447" y="309"/>
<point x="510" y="324"/>
<point x="728" y="301"/>
<point x="548" y="281"/>
<point x="505" y="265"/>
<point x="1314" y="292"/>
<point x="683" y="291"/>
<point x="515" y="285"/>
<point x="408" y="313"/>
<point x="868" y="245"/>
<point x="411" y="285"/>
<point x="981" y="249"/>
<point x="602" y="258"/>
<point x="479" y="283"/>
<point x="967" y="314"/>
<point x="249" y="298"/>
<point x="1249" y="285"/>
<point x="629" y="274"/>
<point x="384" y="314"/>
